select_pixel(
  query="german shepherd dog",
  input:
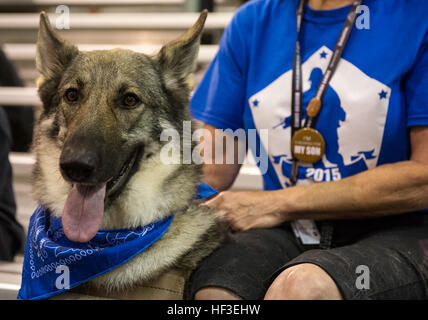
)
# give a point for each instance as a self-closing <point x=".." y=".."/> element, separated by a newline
<point x="97" y="145"/>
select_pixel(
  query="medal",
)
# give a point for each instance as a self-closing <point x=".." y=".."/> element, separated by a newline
<point x="307" y="145"/>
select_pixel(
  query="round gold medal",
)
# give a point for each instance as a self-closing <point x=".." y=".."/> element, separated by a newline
<point x="307" y="145"/>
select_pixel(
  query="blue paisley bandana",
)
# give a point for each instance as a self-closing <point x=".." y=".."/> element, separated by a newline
<point x="49" y="255"/>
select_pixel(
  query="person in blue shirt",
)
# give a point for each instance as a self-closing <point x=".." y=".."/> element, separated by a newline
<point x="355" y="226"/>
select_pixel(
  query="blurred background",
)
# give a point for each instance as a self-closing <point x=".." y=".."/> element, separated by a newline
<point x="140" y="25"/>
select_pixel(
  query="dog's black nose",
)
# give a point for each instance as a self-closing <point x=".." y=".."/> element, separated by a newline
<point x="79" y="170"/>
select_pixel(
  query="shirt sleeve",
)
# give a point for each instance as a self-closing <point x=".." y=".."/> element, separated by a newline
<point x="416" y="88"/>
<point x="219" y="99"/>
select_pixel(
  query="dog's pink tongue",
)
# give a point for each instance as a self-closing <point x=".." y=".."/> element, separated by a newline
<point x="83" y="212"/>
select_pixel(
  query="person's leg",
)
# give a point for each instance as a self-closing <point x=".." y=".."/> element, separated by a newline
<point x="216" y="293"/>
<point x="303" y="282"/>
<point x="243" y="266"/>
<point x="388" y="264"/>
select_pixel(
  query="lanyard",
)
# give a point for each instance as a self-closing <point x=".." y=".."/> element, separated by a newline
<point x="297" y="92"/>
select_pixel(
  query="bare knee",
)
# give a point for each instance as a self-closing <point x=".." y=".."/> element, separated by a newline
<point x="303" y="282"/>
<point x="216" y="293"/>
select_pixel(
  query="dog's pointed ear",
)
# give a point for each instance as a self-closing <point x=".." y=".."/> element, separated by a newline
<point x="177" y="60"/>
<point x="53" y="53"/>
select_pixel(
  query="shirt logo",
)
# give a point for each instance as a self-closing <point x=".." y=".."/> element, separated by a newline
<point x="352" y="119"/>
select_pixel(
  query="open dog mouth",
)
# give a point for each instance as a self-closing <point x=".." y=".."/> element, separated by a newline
<point x="116" y="184"/>
<point x="84" y="208"/>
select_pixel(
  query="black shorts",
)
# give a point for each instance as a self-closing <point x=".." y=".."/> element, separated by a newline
<point x="391" y="251"/>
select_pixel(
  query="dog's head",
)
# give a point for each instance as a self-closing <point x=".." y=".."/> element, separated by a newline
<point x="103" y="113"/>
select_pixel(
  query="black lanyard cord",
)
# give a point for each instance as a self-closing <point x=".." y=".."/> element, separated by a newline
<point x="297" y="92"/>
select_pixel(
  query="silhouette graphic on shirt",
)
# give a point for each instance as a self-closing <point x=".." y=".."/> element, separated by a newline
<point x="328" y="122"/>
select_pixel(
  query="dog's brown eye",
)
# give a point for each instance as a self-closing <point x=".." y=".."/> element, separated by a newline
<point x="71" y="95"/>
<point x="130" y="100"/>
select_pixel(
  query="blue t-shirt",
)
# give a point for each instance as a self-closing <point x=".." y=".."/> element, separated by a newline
<point x="379" y="90"/>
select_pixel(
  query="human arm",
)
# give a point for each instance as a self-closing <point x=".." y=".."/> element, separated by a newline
<point x="385" y="190"/>
<point x="219" y="175"/>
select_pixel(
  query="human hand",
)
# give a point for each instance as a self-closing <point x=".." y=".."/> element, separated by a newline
<point x="249" y="210"/>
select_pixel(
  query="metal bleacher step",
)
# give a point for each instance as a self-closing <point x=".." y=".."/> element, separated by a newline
<point x="10" y="278"/>
<point x="23" y="56"/>
<point x="92" y="2"/>
<point x="27" y="51"/>
<point x="130" y="21"/>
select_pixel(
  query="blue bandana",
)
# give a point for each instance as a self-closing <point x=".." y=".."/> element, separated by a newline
<point x="48" y="252"/>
